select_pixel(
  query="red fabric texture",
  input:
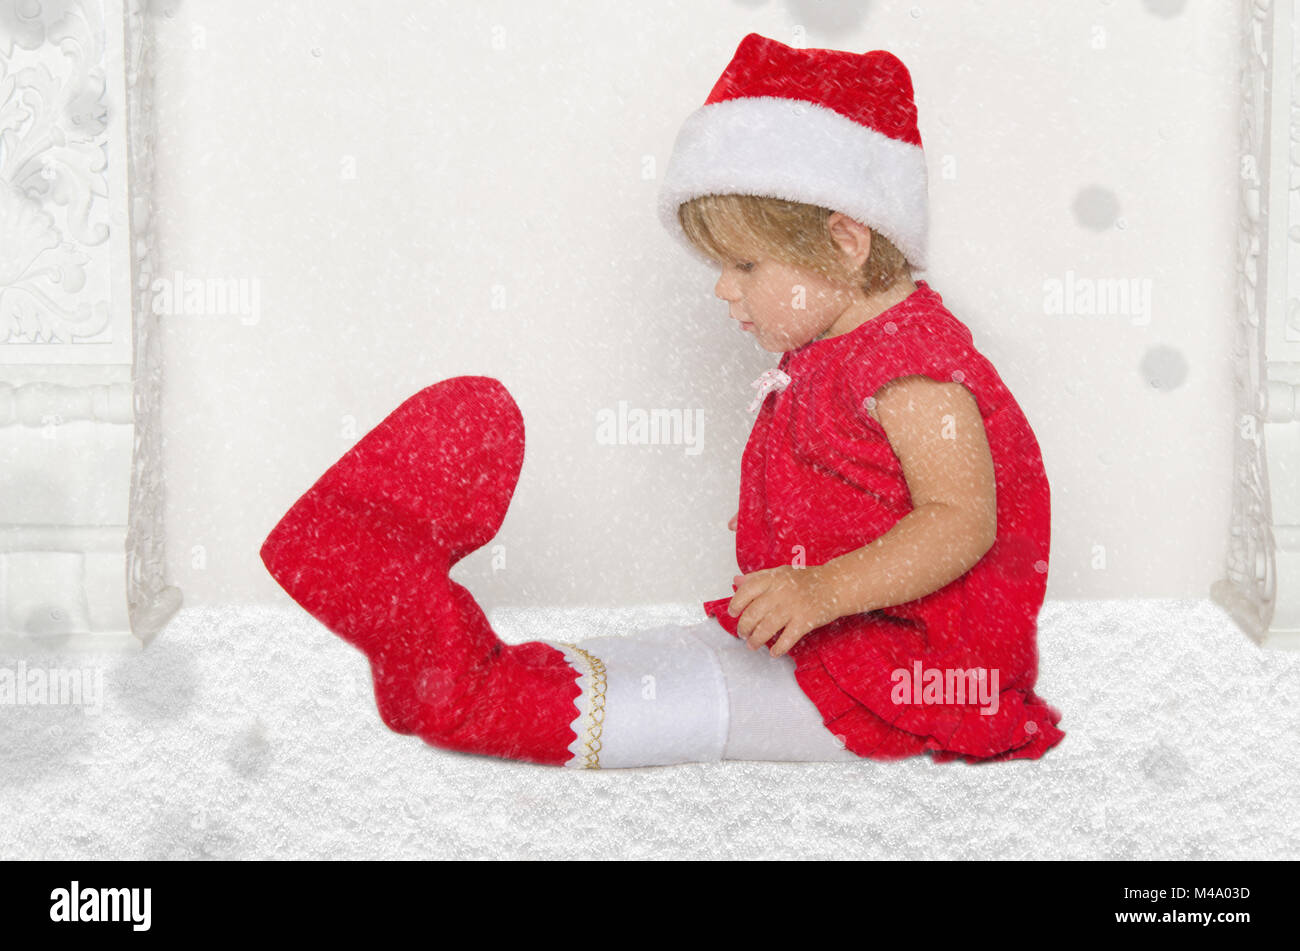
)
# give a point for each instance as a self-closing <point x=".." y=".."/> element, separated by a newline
<point x="873" y="89"/>
<point x="367" y="551"/>
<point x="819" y="479"/>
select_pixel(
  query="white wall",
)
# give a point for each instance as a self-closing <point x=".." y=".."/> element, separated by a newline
<point x="503" y="147"/>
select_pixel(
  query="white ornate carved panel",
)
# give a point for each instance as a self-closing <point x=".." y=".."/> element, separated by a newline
<point x="80" y="501"/>
<point x="1262" y="587"/>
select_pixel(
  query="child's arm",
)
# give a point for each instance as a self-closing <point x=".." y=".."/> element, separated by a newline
<point x="936" y="431"/>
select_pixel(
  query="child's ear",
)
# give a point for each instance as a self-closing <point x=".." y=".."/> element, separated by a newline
<point x="853" y="237"/>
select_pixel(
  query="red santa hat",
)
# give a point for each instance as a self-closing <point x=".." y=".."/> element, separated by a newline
<point x="823" y="127"/>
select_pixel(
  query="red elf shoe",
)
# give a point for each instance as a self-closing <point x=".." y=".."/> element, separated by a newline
<point x="367" y="551"/>
<point x="427" y="486"/>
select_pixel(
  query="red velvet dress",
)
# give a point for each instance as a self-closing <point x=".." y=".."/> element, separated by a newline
<point x="819" y="478"/>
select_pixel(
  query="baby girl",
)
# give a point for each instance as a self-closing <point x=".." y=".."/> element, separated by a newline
<point x="893" y="528"/>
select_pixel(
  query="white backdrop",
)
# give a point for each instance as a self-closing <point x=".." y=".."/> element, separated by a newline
<point x="410" y="191"/>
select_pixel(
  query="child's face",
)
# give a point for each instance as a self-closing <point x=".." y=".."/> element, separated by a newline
<point x="783" y="306"/>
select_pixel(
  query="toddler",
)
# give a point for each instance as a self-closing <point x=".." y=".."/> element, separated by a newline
<point x="893" y="528"/>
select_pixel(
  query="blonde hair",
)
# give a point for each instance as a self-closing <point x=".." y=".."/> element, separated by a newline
<point x="730" y="227"/>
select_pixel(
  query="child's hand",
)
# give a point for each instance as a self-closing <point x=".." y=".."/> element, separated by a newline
<point x="732" y="524"/>
<point x="768" y="601"/>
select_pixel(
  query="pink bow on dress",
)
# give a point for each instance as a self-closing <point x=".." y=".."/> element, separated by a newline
<point x="770" y="380"/>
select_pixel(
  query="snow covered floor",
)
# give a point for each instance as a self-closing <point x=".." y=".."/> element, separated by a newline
<point x="251" y="732"/>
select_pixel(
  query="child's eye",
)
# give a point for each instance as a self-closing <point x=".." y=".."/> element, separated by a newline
<point x="745" y="265"/>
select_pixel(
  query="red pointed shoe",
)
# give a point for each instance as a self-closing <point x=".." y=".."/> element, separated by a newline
<point x="370" y="542"/>
<point x="367" y="551"/>
<point x="452" y="682"/>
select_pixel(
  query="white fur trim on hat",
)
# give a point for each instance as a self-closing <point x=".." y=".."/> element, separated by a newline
<point x="799" y="151"/>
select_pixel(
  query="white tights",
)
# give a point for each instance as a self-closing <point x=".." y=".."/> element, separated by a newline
<point x="691" y="693"/>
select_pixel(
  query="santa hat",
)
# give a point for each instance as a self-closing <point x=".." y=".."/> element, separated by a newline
<point x="823" y="127"/>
